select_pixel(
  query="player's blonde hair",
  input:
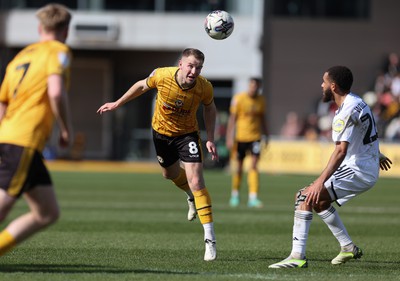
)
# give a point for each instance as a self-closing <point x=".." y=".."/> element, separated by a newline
<point x="54" y="17"/>
<point x="193" y="52"/>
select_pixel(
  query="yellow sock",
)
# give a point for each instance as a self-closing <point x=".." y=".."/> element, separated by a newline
<point x="236" y="180"/>
<point x="7" y="242"/>
<point x="181" y="182"/>
<point x="253" y="181"/>
<point x="203" y="205"/>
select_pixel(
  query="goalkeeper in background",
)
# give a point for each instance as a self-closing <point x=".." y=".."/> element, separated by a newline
<point x="246" y="128"/>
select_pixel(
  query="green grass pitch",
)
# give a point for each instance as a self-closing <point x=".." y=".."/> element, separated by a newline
<point x="120" y="226"/>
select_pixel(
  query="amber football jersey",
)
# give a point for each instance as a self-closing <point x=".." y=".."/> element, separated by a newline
<point x="249" y="113"/>
<point x="29" y="119"/>
<point x="175" y="109"/>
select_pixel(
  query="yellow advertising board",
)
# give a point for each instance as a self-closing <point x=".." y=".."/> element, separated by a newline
<point x="309" y="157"/>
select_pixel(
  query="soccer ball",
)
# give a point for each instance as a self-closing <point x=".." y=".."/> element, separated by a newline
<point x="219" y="24"/>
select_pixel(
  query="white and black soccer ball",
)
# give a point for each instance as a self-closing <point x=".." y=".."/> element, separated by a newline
<point x="219" y="24"/>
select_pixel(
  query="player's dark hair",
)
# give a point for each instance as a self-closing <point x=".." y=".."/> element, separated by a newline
<point x="341" y="76"/>
<point x="193" y="52"/>
<point x="256" y="79"/>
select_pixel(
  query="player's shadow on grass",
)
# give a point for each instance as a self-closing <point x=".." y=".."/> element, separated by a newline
<point x="81" y="268"/>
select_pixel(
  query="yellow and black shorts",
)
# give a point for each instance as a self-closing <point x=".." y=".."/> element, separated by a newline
<point x="254" y="147"/>
<point x="21" y="169"/>
<point x="186" y="147"/>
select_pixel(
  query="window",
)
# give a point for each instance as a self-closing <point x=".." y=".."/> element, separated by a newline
<point x="352" y="9"/>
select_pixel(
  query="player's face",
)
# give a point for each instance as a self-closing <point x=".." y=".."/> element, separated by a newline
<point x="254" y="87"/>
<point x="190" y="68"/>
<point x="327" y="94"/>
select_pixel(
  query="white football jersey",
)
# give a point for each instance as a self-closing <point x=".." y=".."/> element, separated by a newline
<point x="355" y="124"/>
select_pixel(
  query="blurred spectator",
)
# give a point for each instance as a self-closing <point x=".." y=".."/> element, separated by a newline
<point x="385" y="104"/>
<point x="395" y="87"/>
<point x="392" y="65"/>
<point x="325" y="126"/>
<point x="291" y="129"/>
<point x="310" y="130"/>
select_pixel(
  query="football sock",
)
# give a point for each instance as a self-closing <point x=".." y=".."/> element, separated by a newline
<point x="301" y="227"/>
<point x="253" y="181"/>
<point x="235" y="193"/>
<point x="252" y="196"/>
<point x="203" y="205"/>
<point x="7" y="242"/>
<point x="209" y="231"/>
<point x="236" y="180"/>
<point x="335" y="224"/>
<point x="182" y="183"/>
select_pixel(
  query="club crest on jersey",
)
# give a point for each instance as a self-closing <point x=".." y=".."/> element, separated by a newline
<point x="160" y="159"/>
<point x="178" y="103"/>
<point x="63" y="58"/>
<point x="338" y="125"/>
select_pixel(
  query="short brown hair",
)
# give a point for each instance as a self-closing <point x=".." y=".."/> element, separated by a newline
<point x="193" y="52"/>
<point x="54" y="17"/>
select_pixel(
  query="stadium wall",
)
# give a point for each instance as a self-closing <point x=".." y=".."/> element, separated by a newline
<point x="297" y="51"/>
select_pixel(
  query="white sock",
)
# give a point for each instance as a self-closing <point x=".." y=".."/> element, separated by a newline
<point x="335" y="224"/>
<point x="252" y="196"/>
<point x="301" y="227"/>
<point x="235" y="193"/>
<point x="209" y="231"/>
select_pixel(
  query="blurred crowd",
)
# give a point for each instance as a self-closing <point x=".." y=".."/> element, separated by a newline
<point x="384" y="101"/>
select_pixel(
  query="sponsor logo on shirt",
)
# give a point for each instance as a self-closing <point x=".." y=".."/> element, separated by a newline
<point x="338" y="125"/>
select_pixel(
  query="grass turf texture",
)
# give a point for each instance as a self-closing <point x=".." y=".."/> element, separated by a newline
<point x="117" y="226"/>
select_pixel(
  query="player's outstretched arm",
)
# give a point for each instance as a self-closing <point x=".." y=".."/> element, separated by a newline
<point x="384" y="162"/>
<point x="140" y="87"/>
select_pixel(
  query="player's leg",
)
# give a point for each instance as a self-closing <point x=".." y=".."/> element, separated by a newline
<point x="303" y="216"/>
<point x="30" y="177"/>
<point x="177" y="175"/>
<point x="348" y="249"/>
<point x="342" y="190"/>
<point x="44" y="211"/>
<point x="235" y="185"/>
<point x="190" y="153"/>
<point x="253" y="176"/>
<point x="194" y="173"/>
<point x="237" y="175"/>
<point x="168" y="159"/>
<point x="7" y="241"/>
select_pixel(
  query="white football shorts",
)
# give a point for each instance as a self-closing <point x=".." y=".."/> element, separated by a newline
<point x="346" y="183"/>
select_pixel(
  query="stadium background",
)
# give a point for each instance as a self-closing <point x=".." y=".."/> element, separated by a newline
<point x="288" y="43"/>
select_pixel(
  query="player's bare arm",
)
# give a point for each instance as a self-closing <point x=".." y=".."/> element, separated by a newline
<point x="137" y="89"/>
<point x="230" y="131"/>
<point x="210" y="115"/>
<point x="59" y="105"/>
<point x="315" y="189"/>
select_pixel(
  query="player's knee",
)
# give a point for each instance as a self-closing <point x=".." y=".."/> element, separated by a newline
<point x="196" y="183"/>
<point x="49" y="217"/>
<point x="300" y="198"/>
<point x="169" y="175"/>
<point x="4" y="211"/>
